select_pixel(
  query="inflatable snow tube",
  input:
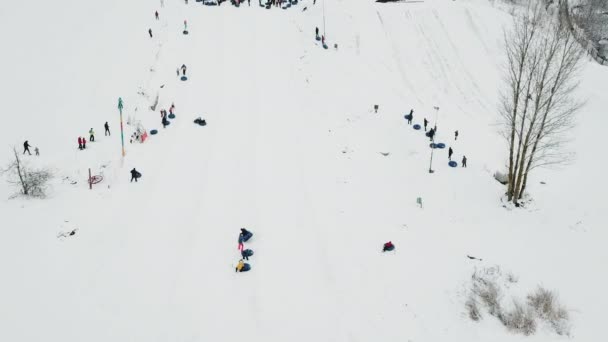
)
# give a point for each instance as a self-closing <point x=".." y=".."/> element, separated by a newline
<point x="185" y="32"/>
<point x="167" y="123"/>
<point x="246" y="267"/>
<point x="247" y="253"/>
<point x="318" y="38"/>
<point x="428" y="134"/>
<point x="171" y="116"/>
<point x="440" y="145"/>
<point x="417" y="127"/>
<point x="184" y="78"/>
<point x="388" y="249"/>
<point x="247" y="236"/>
<point x="153" y="131"/>
<point x="325" y="46"/>
<point x="433" y="145"/>
<point x="453" y="163"/>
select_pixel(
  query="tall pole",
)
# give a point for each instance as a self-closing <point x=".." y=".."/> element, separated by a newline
<point x="122" y="134"/>
<point x="324" y="18"/>
<point x="433" y="140"/>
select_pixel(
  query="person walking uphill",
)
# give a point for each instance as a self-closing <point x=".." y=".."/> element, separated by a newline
<point x="450" y="152"/>
<point x="426" y="122"/>
<point x="150" y="32"/>
<point x="410" y="117"/>
<point x="26" y="148"/>
<point x="156" y="15"/>
<point x="79" y="143"/>
<point x="183" y="69"/>
<point x="464" y="161"/>
<point x="107" y="128"/>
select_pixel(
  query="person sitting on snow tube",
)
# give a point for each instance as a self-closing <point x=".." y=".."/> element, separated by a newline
<point x="242" y="266"/>
<point x="388" y="247"/>
<point x="246" y="254"/>
<point x="245" y="234"/>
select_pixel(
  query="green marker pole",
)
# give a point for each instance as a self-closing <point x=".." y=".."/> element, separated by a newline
<point x="122" y="134"/>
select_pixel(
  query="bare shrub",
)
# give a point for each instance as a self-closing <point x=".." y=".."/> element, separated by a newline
<point x="473" y="309"/>
<point x="486" y="292"/>
<point x="547" y="307"/>
<point x="521" y="319"/>
<point x="31" y="182"/>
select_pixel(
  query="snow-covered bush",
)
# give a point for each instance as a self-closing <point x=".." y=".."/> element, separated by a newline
<point x="487" y="290"/>
<point x="31" y="182"/>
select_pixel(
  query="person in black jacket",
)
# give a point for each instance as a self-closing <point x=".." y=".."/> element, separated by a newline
<point x="450" y="152"/>
<point x="135" y="175"/>
<point x="26" y="147"/>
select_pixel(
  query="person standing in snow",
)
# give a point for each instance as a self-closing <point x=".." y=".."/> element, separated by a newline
<point x="450" y="152"/>
<point x="464" y="161"/>
<point x="107" y="128"/>
<point x="426" y="122"/>
<point x="135" y="175"/>
<point x="84" y="143"/>
<point x="456" y="135"/>
<point x="26" y="148"/>
<point x="183" y="69"/>
<point x="323" y="39"/>
<point x="376" y="109"/>
<point x="316" y="32"/>
<point x="79" y="143"/>
<point x="156" y="15"/>
<point x="91" y="135"/>
<point x="410" y="117"/>
<point x="37" y="151"/>
<point x="150" y="32"/>
<point x="185" y="25"/>
<point x="431" y="134"/>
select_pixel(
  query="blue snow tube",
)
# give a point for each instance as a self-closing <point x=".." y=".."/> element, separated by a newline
<point x="184" y="78"/>
<point x="246" y="267"/>
<point x="247" y="236"/>
<point x="440" y="145"/>
<point x="433" y="145"/>
<point x="453" y="163"/>
<point x="417" y="127"/>
<point x="171" y="116"/>
<point x="153" y="131"/>
<point x="247" y="253"/>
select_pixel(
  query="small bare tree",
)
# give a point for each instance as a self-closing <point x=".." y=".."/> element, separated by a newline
<point x="537" y="104"/>
<point x="31" y="182"/>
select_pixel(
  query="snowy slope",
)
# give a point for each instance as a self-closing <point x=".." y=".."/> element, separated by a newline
<point x="292" y="150"/>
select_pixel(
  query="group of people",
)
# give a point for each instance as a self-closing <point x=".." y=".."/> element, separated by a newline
<point x="244" y="236"/>
<point x="431" y="134"/>
<point x="82" y="141"/>
<point x="26" y="148"/>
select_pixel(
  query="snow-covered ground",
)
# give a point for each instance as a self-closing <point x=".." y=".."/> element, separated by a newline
<point x="293" y="152"/>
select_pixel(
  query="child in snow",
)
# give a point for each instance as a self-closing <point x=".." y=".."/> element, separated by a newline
<point x="240" y="266"/>
<point x="79" y="143"/>
<point x="37" y="151"/>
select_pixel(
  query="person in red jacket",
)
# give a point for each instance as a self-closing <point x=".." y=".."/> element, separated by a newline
<point x="79" y="143"/>
<point x="388" y="247"/>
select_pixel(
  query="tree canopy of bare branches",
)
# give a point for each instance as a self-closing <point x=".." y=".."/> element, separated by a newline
<point x="537" y="103"/>
<point x="31" y="182"/>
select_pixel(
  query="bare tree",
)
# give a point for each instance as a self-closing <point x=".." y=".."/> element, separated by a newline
<point x="537" y="105"/>
<point x="31" y="182"/>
